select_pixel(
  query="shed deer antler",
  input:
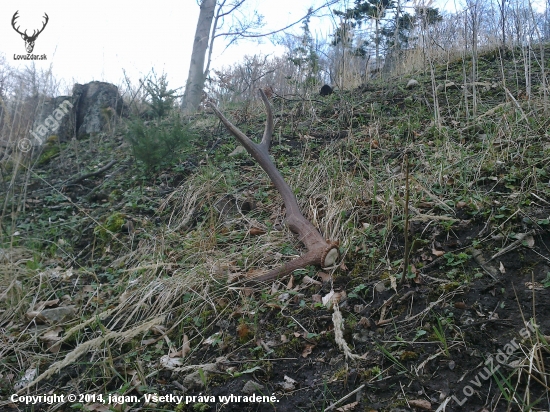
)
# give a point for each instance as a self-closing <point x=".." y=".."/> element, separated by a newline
<point x="320" y="252"/>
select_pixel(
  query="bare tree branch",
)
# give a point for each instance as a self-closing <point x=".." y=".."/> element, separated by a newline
<point x="240" y="34"/>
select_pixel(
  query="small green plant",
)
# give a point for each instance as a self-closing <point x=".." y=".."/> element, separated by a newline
<point x="546" y="281"/>
<point x="48" y="154"/>
<point x="201" y="407"/>
<point x="440" y="335"/>
<point x="204" y="380"/>
<point x="157" y="143"/>
<point x="456" y="259"/>
<point x="161" y="99"/>
<point x="389" y="355"/>
<point x="358" y="290"/>
<point x="112" y="225"/>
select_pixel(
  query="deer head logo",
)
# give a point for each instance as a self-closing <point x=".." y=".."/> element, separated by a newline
<point x="29" y="40"/>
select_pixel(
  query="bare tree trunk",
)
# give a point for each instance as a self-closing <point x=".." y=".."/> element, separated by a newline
<point x="195" y="80"/>
<point x="377" y="40"/>
<point x="503" y="21"/>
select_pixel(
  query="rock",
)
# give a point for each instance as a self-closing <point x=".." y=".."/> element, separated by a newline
<point x="325" y="90"/>
<point x="58" y="315"/>
<point x="195" y="381"/>
<point x="251" y="387"/>
<point x="92" y="108"/>
<point x="54" y="117"/>
<point x="96" y="103"/>
<point x="238" y="150"/>
<point x="412" y="83"/>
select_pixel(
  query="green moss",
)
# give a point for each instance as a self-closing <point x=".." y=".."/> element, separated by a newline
<point x="112" y="224"/>
<point x="50" y="151"/>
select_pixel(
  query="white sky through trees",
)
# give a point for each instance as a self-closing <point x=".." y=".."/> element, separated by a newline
<point x="96" y="40"/>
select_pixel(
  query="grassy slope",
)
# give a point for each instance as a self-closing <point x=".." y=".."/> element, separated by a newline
<point x="158" y="286"/>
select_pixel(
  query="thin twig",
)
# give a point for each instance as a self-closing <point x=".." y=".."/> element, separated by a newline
<point x="406" y="229"/>
<point x="95" y="173"/>
<point x="331" y="407"/>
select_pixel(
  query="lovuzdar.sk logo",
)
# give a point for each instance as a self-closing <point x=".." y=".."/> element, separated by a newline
<point x="29" y="39"/>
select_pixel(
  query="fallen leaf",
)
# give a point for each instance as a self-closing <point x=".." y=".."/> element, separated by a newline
<point x="252" y="273"/>
<point x="380" y="286"/>
<point x="243" y="330"/>
<point x="358" y="308"/>
<point x="438" y="252"/>
<point x="420" y="403"/>
<point x="214" y="338"/>
<point x="222" y="302"/>
<point x="247" y="291"/>
<point x="170" y="363"/>
<point x="30" y="374"/>
<point x="52" y="335"/>
<point x="393" y="282"/>
<point x="185" y="347"/>
<point x="529" y="241"/>
<point x="290" y="283"/>
<point x="256" y="231"/>
<point x="308" y="281"/>
<point x="325" y="277"/>
<point x="234" y="277"/>
<point x="148" y="342"/>
<point x="36" y="316"/>
<point x="501" y="268"/>
<point x="158" y="329"/>
<point x="534" y="285"/>
<point x="47" y="304"/>
<point x="333" y="297"/>
<point x="307" y="350"/>
<point x="124" y="296"/>
<point x="317" y="298"/>
<point x="328" y="298"/>
<point x="348" y="407"/>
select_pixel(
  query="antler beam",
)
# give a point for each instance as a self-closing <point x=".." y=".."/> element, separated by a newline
<point x="320" y="252"/>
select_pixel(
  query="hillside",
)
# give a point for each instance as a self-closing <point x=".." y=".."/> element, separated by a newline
<point x="119" y="281"/>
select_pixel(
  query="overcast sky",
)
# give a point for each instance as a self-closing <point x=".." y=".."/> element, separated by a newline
<point x="97" y="40"/>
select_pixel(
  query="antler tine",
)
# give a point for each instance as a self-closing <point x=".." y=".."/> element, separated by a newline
<point x="15" y="17"/>
<point x="45" y="23"/>
<point x="35" y="32"/>
<point x="241" y="137"/>
<point x="268" y="133"/>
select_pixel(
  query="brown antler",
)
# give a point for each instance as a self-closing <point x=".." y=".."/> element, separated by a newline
<point x="320" y="252"/>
